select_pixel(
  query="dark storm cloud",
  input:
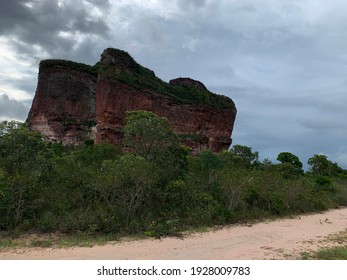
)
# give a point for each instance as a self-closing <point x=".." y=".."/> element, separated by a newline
<point x="304" y="125"/>
<point x="283" y="62"/>
<point x="13" y="13"/>
<point x="52" y="27"/>
<point x="12" y="109"/>
<point x="40" y="29"/>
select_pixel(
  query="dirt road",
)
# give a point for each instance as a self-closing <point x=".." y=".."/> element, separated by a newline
<point x="281" y="239"/>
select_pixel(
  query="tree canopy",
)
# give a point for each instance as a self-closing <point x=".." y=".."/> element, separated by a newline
<point x="320" y="165"/>
<point x="152" y="137"/>
<point x="152" y="186"/>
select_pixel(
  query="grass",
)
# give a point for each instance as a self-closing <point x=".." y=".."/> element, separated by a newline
<point x="337" y="252"/>
<point x="14" y="241"/>
<point x="33" y="240"/>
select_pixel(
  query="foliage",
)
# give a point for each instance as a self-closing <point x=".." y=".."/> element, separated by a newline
<point x="152" y="137"/>
<point x="89" y="123"/>
<point x="147" y="134"/>
<point x="80" y="67"/>
<point x="321" y="166"/>
<point x="72" y="121"/>
<point x="124" y="186"/>
<point x="335" y="252"/>
<point x="154" y="188"/>
<point x="286" y="157"/>
<point x="133" y="74"/>
<point x="291" y="165"/>
<point x="23" y="160"/>
<point x="243" y="156"/>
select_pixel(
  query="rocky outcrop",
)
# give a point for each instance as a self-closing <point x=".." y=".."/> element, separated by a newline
<point x="75" y="102"/>
<point x="188" y="82"/>
<point x="63" y="108"/>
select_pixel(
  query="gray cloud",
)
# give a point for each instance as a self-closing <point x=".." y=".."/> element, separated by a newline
<point x="12" y="14"/>
<point x="183" y="4"/>
<point x="283" y="62"/>
<point x="12" y="109"/>
<point x="271" y="123"/>
<point x="52" y="28"/>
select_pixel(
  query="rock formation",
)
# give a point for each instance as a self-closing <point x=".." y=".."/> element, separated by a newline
<point x="75" y="102"/>
<point x="63" y="108"/>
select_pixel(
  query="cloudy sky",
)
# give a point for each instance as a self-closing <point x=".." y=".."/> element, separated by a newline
<point x="283" y="62"/>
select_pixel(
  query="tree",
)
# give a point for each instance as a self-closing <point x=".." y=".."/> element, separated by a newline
<point x="147" y="134"/>
<point x="23" y="156"/>
<point x="286" y="157"/>
<point x="125" y="187"/>
<point x="290" y="164"/>
<point x="152" y="137"/>
<point x="321" y="166"/>
<point x="243" y="156"/>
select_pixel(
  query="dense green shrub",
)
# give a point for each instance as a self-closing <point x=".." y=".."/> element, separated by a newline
<point x="152" y="137"/>
<point x="155" y="188"/>
<point x="24" y="159"/>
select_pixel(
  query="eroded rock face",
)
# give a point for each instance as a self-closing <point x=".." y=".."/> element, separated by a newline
<point x="74" y="103"/>
<point x="188" y="82"/>
<point x="63" y="108"/>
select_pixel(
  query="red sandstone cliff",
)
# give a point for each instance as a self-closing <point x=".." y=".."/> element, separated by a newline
<point x="71" y="97"/>
<point x="63" y="108"/>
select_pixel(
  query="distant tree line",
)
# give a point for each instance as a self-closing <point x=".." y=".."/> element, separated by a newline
<point x="156" y="187"/>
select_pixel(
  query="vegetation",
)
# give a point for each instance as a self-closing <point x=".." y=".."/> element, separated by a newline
<point x="131" y="73"/>
<point x="337" y="252"/>
<point x="80" y="67"/>
<point x="15" y="241"/>
<point x="128" y="71"/>
<point x="152" y="138"/>
<point x="86" y="124"/>
<point x="153" y="187"/>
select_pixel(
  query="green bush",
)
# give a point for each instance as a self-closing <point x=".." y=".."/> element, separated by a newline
<point x="156" y="189"/>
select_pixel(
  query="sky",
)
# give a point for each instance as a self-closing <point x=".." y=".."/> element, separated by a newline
<point x="283" y="62"/>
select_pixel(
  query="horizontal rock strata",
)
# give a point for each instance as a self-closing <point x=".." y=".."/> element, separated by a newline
<point x="75" y="102"/>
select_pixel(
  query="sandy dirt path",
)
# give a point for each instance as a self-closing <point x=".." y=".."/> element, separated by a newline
<point x="281" y="239"/>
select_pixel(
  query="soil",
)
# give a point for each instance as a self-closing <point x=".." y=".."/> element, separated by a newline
<point x="280" y="239"/>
